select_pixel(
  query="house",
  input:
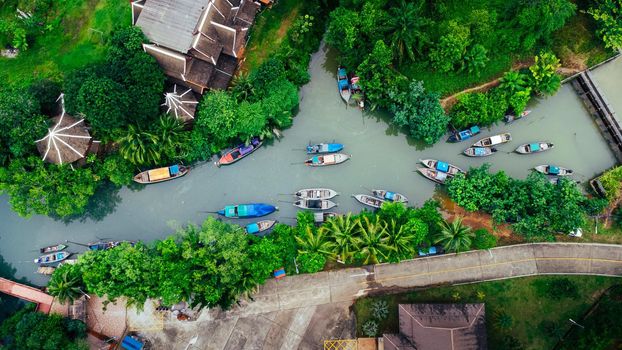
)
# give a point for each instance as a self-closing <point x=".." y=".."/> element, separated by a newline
<point x="196" y="42"/>
<point x="439" y="327"/>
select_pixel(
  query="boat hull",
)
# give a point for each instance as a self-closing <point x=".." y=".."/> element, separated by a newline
<point x="535" y="147"/>
<point x="390" y="196"/>
<point x="463" y="135"/>
<point x="315" y="204"/>
<point x="553" y="170"/>
<point x="252" y="210"/>
<point x="369" y="200"/>
<point x="316" y="193"/>
<point x="434" y="164"/>
<point x="260" y="226"/>
<point x="324" y="148"/>
<point x="330" y="159"/>
<point x="493" y="140"/>
<point x="52" y="249"/>
<point x="145" y="178"/>
<point x="52" y="258"/>
<point x="479" y="151"/>
<point x="434" y="175"/>
<point x="239" y="153"/>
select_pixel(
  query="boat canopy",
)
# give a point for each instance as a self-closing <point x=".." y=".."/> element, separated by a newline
<point x="553" y="170"/>
<point x="442" y="166"/>
<point x="159" y="174"/>
<point x="252" y="228"/>
<point x="130" y="343"/>
<point x="474" y="129"/>
<point x="314" y="203"/>
<point x="230" y="211"/>
<point x="173" y="169"/>
<point x="479" y="151"/>
<point x="440" y="176"/>
<point x="389" y="196"/>
<point x="316" y="160"/>
<point x="534" y="146"/>
<point x="342" y="73"/>
<point x="496" y="139"/>
<point x="343" y="84"/>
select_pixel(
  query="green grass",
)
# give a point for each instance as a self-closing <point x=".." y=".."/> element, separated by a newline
<point x="269" y="31"/>
<point x="522" y="298"/>
<point x="76" y="40"/>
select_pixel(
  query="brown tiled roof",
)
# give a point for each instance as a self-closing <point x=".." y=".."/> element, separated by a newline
<point x="396" y="342"/>
<point x="173" y="63"/>
<point x="444" y="326"/>
<point x="206" y="49"/>
<point x="198" y="71"/>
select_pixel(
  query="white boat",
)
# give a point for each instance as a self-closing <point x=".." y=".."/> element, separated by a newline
<point x="553" y="170"/>
<point x="535" y="147"/>
<point x="315" y="204"/>
<point x="450" y="169"/>
<point x="316" y="193"/>
<point x="493" y="140"/>
<point x="328" y="159"/>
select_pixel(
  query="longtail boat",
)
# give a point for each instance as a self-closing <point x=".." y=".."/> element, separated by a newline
<point x="52" y="248"/>
<point x="324" y="148"/>
<point x="105" y="245"/>
<point x="535" y="147"/>
<point x="239" y="152"/>
<point x="161" y="174"/>
<point x="252" y="210"/>
<point x="435" y="164"/>
<point x="343" y="84"/>
<point x="553" y="170"/>
<point x="510" y="117"/>
<point x="369" y="200"/>
<point x="322" y="217"/>
<point x="434" y="175"/>
<point x="260" y="226"/>
<point x="316" y="193"/>
<point x="329" y="159"/>
<point x="493" y="140"/>
<point x="464" y="134"/>
<point x="390" y="196"/>
<point x="315" y="204"/>
<point x="479" y="151"/>
<point x="52" y="258"/>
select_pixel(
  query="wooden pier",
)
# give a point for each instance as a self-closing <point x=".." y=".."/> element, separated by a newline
<point x="43" y="300"/>
<point x="599" y="108"/>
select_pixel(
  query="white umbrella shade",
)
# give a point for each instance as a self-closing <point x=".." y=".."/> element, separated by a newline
<point x="182" y="105"/>
<point x="67" y="140"/>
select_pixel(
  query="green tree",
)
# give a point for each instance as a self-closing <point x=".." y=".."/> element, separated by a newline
<point x="314" y="241"/>
<point x="408" y="29"/>
<point x="519" y="100"/>
<point x="454" y="237"/>
<point x="311" y="262"/>
<point x="377" y="74"/>
<point x="172" y="139"/>
<point x="140" y="147"/>
<point x="513" y="81"/>
<point x="451" y="48"/>
<point x="608" y="16"/>
<point x="475" y="59"/>
<point x="105" y="104"/>
<point x="242" y="87"/>
<point x="504" y="320"/>
<point x="535" y="21"/>
<point x="342" y="31"/>
<point x="484" y="239"/>
<point x="373" y="240"/>
<point x="402" y="240"/>
<point x="342" y="230"/>
<point x="544" y="73"/>
<point x="66" y="283"/>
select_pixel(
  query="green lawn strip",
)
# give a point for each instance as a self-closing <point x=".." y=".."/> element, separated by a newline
<point x="269" y="30"/>
<point x="524" y="299"/>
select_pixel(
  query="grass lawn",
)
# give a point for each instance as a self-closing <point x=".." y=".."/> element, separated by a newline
<point x="269" y="30"/>
<point x="77" y="40"/>
<point x="524" y="299"/>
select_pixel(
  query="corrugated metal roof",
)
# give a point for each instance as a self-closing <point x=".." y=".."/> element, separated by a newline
<point x="170" y="23"/>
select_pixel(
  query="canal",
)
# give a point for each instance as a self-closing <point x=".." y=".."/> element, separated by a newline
<point x="382" y="158"/>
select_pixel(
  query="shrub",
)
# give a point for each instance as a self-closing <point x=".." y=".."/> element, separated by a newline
<point x="562" y="288"/>
<point x="311" y="262"/>
<point x="380" y="309"/>
<point x="484" y="239"/>
<point x="370" y="328"/>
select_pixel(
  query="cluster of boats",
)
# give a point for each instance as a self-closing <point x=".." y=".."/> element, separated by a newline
<point x="438" y="171"/>
<point x="349" y="87"/>
<point x="325" y="154"/>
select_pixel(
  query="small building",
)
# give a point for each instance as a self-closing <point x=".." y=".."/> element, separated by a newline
<point x="196" y="42"/>
<point x="439" y="327"/>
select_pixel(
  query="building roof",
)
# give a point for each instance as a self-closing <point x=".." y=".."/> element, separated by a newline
<point x="67" y="141"/>
<point x="180" y="103"/>
<point x="444" y="326"/>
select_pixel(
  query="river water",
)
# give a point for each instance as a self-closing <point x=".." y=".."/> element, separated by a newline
<point x="382" y="158"/>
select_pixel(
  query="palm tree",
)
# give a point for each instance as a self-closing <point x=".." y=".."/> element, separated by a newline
<point x="454" y="236"/>
<point x="139" y="147"/>
<point x="342" y="230"/>
<point x="242" y="86"/>
<point x="400" y="240"/>
<point x="408" y="29"/>
<point x="171" y="136"/>
<point x="314" y="242"/>
<point x="513" y="81"/>
<point x="373" y="240"/>
<point x="65" y="284"/>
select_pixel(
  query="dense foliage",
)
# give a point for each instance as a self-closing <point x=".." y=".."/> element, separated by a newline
<point x="612" y="183"/>
<point x="608" y="16"/>
<point x="535" y="207"/>
<point x="32" y="330"/>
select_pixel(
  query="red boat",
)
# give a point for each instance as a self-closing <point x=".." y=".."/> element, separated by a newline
<point x="239" y="152"/>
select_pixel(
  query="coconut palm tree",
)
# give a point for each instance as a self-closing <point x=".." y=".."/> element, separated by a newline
<point x="139" y="147"/>
<point x="242" y="87"/>
<point x="513" y="81"/>
<point x="314" y="242"/>
<point x="373" y="240"/>
<point x="65" y="284"/>
<point x="408" y="29"/>
<point x="342" y="230"/>
<point x="454" y="237"/>
<point x="171" y="136"/>
<point x="401" y="240"/>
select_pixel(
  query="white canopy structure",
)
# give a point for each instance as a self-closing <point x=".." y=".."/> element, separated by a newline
<point x="181" y="105"/>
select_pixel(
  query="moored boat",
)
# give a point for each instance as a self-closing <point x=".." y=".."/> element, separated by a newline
<point x="535" y="147"/>
<point x="260" y="226"/>
<point x="479" y="151"/>
<point x="369" y="200"/>
<point x="553" y="170"/>
<point x="252" y="210"/>
<point x="315" y="204"/>
<point x="435" y="164"/>
<point x="510" y="117"/>
<point x="52" y="258"/>
<point x="324" y="148"/>
<point x="343" y="84"/>
<point x="46" y="270"/>
<point x="329" y="159"/>
<point x="493" y="140"/>
<point x="161" y="174"/>
<point x="390" y="196"/>
<point x="105" y="245"/>
<point x="239" y="152"/>
<point x="52" y="248"/>
<point x="434" y="175"/>
<point x="464" y="134"/>
<point x="357" y="92"/>
<point x="322" y="217"/>
<point x="316" y="193"/>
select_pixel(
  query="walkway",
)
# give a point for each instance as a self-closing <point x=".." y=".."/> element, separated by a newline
<point x="44" y="301"/>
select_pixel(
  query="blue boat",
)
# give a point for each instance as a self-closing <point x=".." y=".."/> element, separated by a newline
<point x="324" y="148"/>
<point x="252" y="210"/>
<point x="464" y="134"/>
<point x="260" y="226"/>
<point x="343" y="84"/>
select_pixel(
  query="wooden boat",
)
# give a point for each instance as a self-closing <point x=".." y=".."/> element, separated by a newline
<point x="239" y="152"/>
<point x="52" y="258"/>
<point x="260" y="226"/>
<point x="493" y="140"/>
<point x="315" y="204"/>
<point x="161" y="174"/>
<point x="369" y="200"/>
<point x="464" y="134"/>
<point x="535" y="147"/>
<point x="52" y="249"/>
<point x="324" y="148"/>
<point x="390" y="196"/>
<point x="316" y="193"/>
<point x="322" y="217"/>
<point x="510" y="117"/>
<point x="553" y="170"/>
<point x="329" y="159"/>
<point x="479" y="151"/>
<point x="357" y="92"/>
<point x="434" y="175"/>
<point x="105" y="245"/>
<point x="46" y="270"/>
<point x="252" y="210"/>
<point x="343" y="84"/>
<point x="435" y="164"/>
